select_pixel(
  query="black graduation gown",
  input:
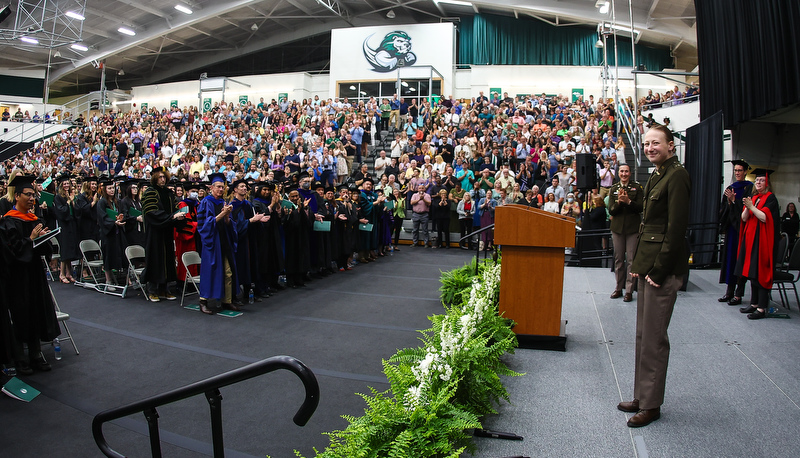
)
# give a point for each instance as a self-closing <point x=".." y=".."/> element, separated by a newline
<point x="68" y="239"/>
<point x="25" y="285"/>
<point x="269" y="250"/>
<point x="158" y="205"/>
<point x="134" y="230"/>
<point x="242" y="212"/>
<point x="86" y="216"/>
<point x="297" y="225"/>
<point x="324" y="238"/>
<point x="112" y="238"/>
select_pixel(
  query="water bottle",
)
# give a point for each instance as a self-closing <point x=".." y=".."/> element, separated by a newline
<point x="251" y="298"/>
<point x="391" y="250"/>
<point x="10" y="371"/>
<point x="771" y="310"/>
<point x="57" y="349"/>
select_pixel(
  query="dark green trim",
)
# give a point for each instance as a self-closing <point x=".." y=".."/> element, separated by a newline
<point x="21" y="86"/>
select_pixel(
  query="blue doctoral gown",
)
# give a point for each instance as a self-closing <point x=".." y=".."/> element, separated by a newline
<point x="212" y="274"/>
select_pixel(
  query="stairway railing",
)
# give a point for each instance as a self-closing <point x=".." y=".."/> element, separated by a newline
<point x="210" y="388"/>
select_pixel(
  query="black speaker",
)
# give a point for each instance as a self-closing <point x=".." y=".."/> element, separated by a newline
<point x="5" y="13"/>
<point x="586" y="171"/>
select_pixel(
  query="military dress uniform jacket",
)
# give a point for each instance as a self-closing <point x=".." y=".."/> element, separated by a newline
<point x="626" y="219"/>
<point x="662" y="249"/>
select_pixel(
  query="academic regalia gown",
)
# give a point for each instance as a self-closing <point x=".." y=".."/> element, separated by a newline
<point x="68" y="239"/>
<point x="86" y="216"/>
<point x="158" y="205"/>
<point x="325" y="252"/>
<point x="218" y="240"/>
<point x="25" y="284"/>
<point x="240" y="216"/>
<point x="134" y="230"/>
<point x="186" y="238"/>
<point x="730" y="218"/>
<point x="6" y="331"/>
<point x="758" y="242"/>
<point x="297" y="226"/>
<point x="112" y="238"/>
<point x="368" y="241"/>
<point x="270" y="245"/>
<point x="313" y="237"/>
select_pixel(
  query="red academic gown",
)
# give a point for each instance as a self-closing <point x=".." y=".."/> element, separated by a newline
<point x="757" y="242"/>
<point x="186" y="238"/>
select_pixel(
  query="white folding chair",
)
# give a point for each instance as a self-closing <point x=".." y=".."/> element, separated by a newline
<point x="135" y="255"/>
<point x="190" y="258"/>
<point x="91" y="260"/>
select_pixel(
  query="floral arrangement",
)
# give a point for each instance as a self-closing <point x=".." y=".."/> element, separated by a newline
<point x="440" y="390"/>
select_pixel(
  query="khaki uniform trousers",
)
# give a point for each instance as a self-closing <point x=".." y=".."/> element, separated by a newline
<point x="228" y="296"/>
<point x="624" y="248"/>
<point x="653" y="312"/>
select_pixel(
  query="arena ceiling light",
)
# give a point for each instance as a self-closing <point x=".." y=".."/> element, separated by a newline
<point x="75" y="15"/>
<point x="126" y="31"/>
<point x="79" y="47"/>
<point x="183" y="9"/>
<point x="30" y="40"/>
<point x="454" y="2"/>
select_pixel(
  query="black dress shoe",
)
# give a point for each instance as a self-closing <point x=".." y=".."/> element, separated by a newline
<point x="757" y="315"/>
<point x="232" y="306"/>
<point x="41" y="364"/>
<point x="644" y="417"/>
<point x="628" y="297"/>
<point x="735" y="300"/>
<point x="23" y="368"/>
<point x="632" y="406"/>
<point x="616" y="294"/>
<point x="725" y="298"/>
<point x="750" y="309"/>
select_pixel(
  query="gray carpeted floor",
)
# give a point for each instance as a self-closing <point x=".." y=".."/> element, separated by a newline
<point x="733" y="387"/>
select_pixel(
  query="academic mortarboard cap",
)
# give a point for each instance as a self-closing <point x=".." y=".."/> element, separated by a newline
<point x="317" y="185"/>
<point x="238" y="182"/>
<point x="39" y="180"/>
<point x="302" y="175"/>
<point x="343" y="186"/>
<point x="742" y="163"/>
<point x="330" y="189"/>
<point x="192" y="185"/>
<point x="761" y="172"/>
<point x="214" y="177"/>
<point x="63" y="177"/>
<point x="91" y="179"/>
<point x="160" y="169"/>
<point x="105" y="181"/>
<point x="21" y="182"/>
<point x="368" y="179"/>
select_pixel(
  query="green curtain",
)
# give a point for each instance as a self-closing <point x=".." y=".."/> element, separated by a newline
<point x="498" y="40"/>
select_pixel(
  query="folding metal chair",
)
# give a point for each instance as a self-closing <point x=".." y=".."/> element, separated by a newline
<point x="55" y="257"/>
<point x="62" y="318"/>
<point x="135" y="255"/>
<point x="781" y="278"/>
<point x="91" y="260"/>
<point x="190" y="258"/>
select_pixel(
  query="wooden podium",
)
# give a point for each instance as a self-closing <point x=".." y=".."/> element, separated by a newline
<point x="532" y="272"/>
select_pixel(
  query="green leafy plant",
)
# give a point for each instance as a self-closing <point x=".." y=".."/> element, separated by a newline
<point x="439" y="390"/>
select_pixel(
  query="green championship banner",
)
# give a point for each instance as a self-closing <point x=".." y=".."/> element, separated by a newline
<point x="283" y="95"/>
<point x="173" y="104"/>
<point x="144" y="108"/>
<point x="206" y="105"/>
<point x="242" y="100"/>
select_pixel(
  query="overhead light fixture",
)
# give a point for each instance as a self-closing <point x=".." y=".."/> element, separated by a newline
<point x="75" y="15"/>
<point x="126" y="31"/>
<point x="599" y="43"/>
<point x="254" y="27"/>
<point x="30" y="40"/>
<point x="620" y="28"/>
<point x="57" y="54"/>
<point x="183" y="9"/>
<point x="121" y="72"/>
<point x="454" y="2"/>
<point x="404" y="84"/>
<point x="390" y="14"/>
<point x="604" y="8"/>
<point x="352" y="88"/>
<point x="79" y="47"/>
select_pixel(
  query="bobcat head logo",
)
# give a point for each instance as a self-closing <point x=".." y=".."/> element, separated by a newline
<point x="394" y="51"/>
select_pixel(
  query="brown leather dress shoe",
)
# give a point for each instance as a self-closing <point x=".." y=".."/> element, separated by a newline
<point x="644" y="417"/>
<point x="616" y="294"/>
<point x="632" y="406"/>
<point x="628" y="297"/>
<point x="233" y="307"/>
<point x="204" y="307"/>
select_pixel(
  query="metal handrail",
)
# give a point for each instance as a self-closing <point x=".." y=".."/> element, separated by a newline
<point x="478" y="245"/>
<point x="210" y="388"/>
